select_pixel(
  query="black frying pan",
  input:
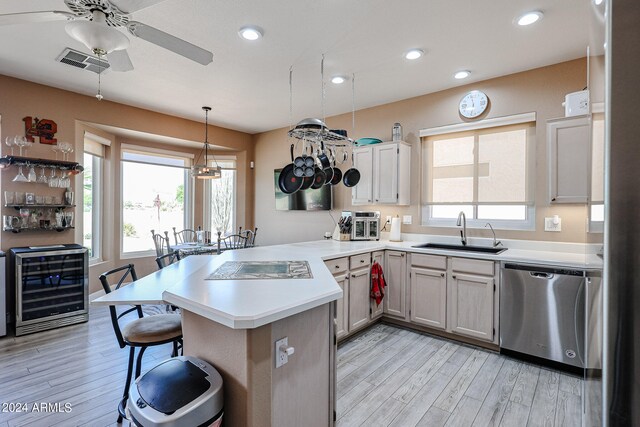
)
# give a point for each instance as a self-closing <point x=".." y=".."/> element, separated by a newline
<point x="288" y="182"/>
<point x="351" y="177"/>
<point x="328" y="175"/>
<point x="318" y="179"/>
<point x="337" y="176"/>
<point x="307" y="181"/>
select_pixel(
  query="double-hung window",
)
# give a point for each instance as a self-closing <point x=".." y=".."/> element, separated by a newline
<point x="155" y="195"/>
<point x="220" y="198"/>
<point x="94" y="153"/>
<point x="486" y="173"/>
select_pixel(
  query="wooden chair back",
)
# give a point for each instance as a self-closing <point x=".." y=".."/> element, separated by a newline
<point x="185" y="236"/>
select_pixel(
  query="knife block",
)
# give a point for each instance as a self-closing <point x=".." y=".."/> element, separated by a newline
<point x="339" y="236"/>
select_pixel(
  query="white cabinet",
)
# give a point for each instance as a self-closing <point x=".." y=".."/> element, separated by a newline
<point x="342" y="313"/>
<point x="362" y="194"/>
<point x="429" y="297"/>
<point x="384" y="174"/>
<point x="377" y="310"/>
<point x="396" y="277"/>
<point x="359" y="282"/>
<point x="568" y="147"/>
<point x="473" y="302"/>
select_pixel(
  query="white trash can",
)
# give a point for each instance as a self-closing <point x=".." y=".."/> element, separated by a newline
<point x="182" y="391"/>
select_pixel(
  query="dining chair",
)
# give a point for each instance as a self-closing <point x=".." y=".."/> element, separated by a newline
<point x="162" y="243"/>
<point x="167" y="259"/>
<point x="140" y="333"/>
<point x="232" y="241"/>
<point x="251" y="238"/>
<point x="185" y="236"/>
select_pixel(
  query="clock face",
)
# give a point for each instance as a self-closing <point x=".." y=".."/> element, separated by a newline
<point x="473" y="104"/>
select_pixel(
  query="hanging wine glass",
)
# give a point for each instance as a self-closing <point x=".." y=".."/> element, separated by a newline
<point x="9" y="143"/>
<point x="24" y="214"/>
<point x="32" y="177"/>
<point x="42" y="178"/>
<point x="20" y="176"/>
<point x="53" y="180"/>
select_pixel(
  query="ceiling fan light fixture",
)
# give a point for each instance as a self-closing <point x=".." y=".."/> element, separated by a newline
<point x="97" y="37"/>
<point x="250" y="32"/>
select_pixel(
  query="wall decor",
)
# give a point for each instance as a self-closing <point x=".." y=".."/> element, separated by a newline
<point x="45" y="129"/>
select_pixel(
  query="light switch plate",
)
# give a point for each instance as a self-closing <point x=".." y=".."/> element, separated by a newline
<point x="550" y="226"/>
<point x="406" y="219"/>
<point x="282" y="358"/>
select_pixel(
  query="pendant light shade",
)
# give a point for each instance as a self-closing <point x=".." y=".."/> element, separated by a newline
<point x="204" y="171"/>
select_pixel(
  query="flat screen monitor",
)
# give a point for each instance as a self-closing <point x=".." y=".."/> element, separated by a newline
<point x="302" y="200"/>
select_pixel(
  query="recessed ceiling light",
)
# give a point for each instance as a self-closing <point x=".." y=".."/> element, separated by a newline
<point x="338" y="80"/>
<point x="598" y="2"/>
<point x="462" y="74"/>
<point x="250" y="33"/>
<point x="414" y="54"/>
<point x="529" y="18"/>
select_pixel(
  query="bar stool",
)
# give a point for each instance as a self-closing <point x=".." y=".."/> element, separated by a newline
<point x="142" y="332"/>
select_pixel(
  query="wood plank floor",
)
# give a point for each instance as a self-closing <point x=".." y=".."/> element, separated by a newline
<point x="393" y="377"/>
<point x="386" y="377"/>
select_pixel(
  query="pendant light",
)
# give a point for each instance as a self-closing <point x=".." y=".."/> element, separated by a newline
<point x="204" y="171"/>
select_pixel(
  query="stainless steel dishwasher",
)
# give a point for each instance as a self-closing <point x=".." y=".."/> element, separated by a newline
<point x="542" y="312"/>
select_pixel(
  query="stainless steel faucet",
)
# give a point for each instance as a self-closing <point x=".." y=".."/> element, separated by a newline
<point x="495" y="242"/>
<point x="462" y="221"/>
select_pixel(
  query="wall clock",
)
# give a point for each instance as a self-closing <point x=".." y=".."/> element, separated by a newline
<point x="473" y="104"/>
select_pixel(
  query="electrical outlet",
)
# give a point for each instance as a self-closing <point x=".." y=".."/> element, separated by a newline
<point x="406" y="219"/>
<point x="282" y="358"/>
<point x="553" y="224"/>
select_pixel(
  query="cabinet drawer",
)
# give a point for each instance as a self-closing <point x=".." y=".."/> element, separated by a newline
<point x="358" y="261"/>
<point x="437" y="262"/>
<point x="338" y="265"/>
<point x="476" y="266"/>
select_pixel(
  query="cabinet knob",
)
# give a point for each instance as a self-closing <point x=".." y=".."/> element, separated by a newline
<point x="442" y="275"/>
<point x="361" y="260"/>
<point x="453" y="276"/>
<point x="377" y="200"/>
<point x="369" y="201"/>
<point x="402" y="254"/>
<point x="353" y="275"/>
<point x="337" y="266"/>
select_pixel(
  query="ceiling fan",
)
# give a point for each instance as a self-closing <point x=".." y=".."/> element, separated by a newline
<point x="95" y="23"/>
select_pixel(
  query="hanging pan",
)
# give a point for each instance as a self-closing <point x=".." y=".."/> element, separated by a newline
<point x="351" y="177"/>
<point x="318" y="179"/>
<point x="307" y="181"/>
<point x="288" y="182"/>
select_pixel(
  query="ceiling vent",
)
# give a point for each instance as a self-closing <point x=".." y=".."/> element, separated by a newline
<point x="82" y="60"/>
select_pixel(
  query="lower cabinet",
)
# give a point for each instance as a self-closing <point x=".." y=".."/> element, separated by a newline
<point x="377" y="310"/>
<point x="395" y="274"/>
<point x="359" y="305"/>
<point x="429" y="297"/>
<point x="342" y="307"/>
<point x="472" y="307"/>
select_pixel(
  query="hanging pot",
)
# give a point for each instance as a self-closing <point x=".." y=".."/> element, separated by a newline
<point x="307" y="181"/>
<point x="322" y="156"/>
<point x="318" y="179"/>
<point x="328" y="175"/>
<point x="288" y="182"/>
<point x="351" y="177"/>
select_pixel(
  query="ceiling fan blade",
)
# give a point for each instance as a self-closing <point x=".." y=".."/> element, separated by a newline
<point x="119" y="60"/>
<point x="28" y="17"/>
<point x="169" y="42"/>
<point x="130" y="6"/>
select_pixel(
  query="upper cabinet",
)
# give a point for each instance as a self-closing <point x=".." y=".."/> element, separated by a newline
<point x="569" y="145"/>
<point x="384" y="174"/>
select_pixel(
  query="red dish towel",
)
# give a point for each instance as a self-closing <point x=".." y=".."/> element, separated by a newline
<point x="377" y="283"/>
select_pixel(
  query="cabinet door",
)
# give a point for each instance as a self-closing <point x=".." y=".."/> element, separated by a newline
<point x="569" y="145"/>
<point x="395" y="274"/>
<point x="472" y="305"/>
<point x="385" y="174"/>
<point x="359" y="281"/>
<point x="429" y="297"/>
<point x="362" y="193"/>
<point x="377" y="310"/>
<point x="342" y="313"/>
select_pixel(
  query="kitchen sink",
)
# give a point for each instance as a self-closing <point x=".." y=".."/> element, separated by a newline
<point x="484" y="249"/>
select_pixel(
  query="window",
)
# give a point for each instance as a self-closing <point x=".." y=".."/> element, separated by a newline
<point x="220" y="198"/>
<point x="155" y="192"/>
<point x="486" y="173"/>
<point x="94" y="152"/>
<point x="91" y="205"/>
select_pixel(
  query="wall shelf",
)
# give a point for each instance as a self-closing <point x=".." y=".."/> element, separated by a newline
<point x="20" y="230"/>
<point x="6" y="161"/>
<point x="26" y="206"/>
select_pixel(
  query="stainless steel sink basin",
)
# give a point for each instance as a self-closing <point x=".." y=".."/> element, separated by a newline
<point x="484" y="249"/>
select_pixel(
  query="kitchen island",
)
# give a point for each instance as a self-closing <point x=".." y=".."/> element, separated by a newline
<point x="234" y="323"/>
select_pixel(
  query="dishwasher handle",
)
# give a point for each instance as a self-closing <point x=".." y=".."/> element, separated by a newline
<point x="541" y="275"/>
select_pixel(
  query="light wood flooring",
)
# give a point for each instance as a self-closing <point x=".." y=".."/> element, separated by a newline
<point x="393" y="377"/>
<point x="386" y="377"/>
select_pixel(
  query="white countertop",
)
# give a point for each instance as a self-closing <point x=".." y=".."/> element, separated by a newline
<point x="245" y="304"/>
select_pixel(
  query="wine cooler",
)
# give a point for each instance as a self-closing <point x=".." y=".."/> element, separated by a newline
<point x="51" y="286"/>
